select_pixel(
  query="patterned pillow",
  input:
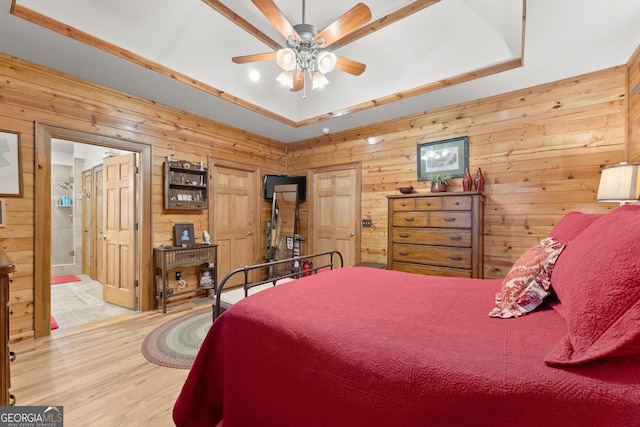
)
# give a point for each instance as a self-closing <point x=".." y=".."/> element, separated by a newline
<point x="597" y="279"/>
<point x="528" y="281"/>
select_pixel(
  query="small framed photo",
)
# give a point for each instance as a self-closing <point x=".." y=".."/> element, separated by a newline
<point x="184" y="235"/>
<point x="10" y="165"/>
<point x="206" y="278"/>
<point x="449" y="156"/>
<point x="3" y="212"/>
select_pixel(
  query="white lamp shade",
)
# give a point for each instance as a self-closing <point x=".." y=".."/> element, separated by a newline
<point x="619" y="183"/>
<point x="326" y="61"/>
<point x="286" y="59"/>
<point x="286" y="78"/>
<point x="319" y="80"/>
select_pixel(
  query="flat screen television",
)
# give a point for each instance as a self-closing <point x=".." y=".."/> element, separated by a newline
<point x="271" y="180"/>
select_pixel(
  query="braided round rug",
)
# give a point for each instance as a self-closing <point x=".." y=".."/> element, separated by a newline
<point x="175" y="343"/>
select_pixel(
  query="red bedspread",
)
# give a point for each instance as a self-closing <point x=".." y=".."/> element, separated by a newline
<point x="368" y="347"/>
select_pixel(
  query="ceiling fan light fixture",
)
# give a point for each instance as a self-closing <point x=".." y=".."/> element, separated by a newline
<point x="286" y="59"/>
<point x="319" y="80"/>
<point x="286" y="78"/>
<point x="326" y="61"/>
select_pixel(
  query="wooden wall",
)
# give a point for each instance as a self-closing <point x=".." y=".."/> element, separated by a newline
<point x="541" y="151"/>
<point x="30" y="93"/>
<point x="634" y="107"/>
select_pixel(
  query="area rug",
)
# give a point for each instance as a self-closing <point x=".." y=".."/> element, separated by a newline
<point x="53" y="324"/>
<point x="175" y="343"/>
<point x="56" y="280"/>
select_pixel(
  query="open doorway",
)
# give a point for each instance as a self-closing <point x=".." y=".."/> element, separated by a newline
<point x="77" y="250"/>
<point x="126" y="269"/>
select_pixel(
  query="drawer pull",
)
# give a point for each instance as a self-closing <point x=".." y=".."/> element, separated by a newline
<point x="456" y="237"/>
<point x="456" y="257"/>
<point x="405" y="235"/>
<point x="403" y="253"/>
<point x="449" y="219"/>
<point x="409" y="218"/>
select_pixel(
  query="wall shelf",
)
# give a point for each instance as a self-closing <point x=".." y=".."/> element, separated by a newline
<point x="185" y="185"/>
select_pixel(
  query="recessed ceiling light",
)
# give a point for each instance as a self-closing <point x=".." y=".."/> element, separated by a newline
<point x="254" y="75"/>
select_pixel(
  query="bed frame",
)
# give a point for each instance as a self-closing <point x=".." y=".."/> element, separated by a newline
<point x="267" y="266"/>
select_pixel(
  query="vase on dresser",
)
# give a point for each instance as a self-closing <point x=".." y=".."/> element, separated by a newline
<point x="467" y="181"/>
<point x="479" y="181"/>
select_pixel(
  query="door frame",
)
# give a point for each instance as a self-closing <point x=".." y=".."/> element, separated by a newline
<point x="357" y="166"/>
<point x="213" y="163"/>
<point x="42" y="240"/>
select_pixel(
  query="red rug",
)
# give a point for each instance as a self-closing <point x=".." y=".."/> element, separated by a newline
<point x="55" y="280"/>
<point x="54" y="324"/>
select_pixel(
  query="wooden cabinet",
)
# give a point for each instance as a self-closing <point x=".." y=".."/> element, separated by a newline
<point x="437" y="233"/>
<point x="6" y="267"/>
<point x="185" y="185"/>
<point x="169" y="257"/>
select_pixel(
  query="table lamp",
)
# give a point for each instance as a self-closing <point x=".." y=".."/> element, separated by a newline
<point x="619" y="183"/>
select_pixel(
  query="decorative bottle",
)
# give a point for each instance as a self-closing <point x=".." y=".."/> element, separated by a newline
<point x="467" y="181"/>
<point x="479" y="181"/>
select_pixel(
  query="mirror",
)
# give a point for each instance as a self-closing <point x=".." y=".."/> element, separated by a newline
<point x="282" y="231"/>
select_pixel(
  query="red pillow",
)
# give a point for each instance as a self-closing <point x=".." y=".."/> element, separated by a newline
<point x="527" y="282"/>
<point x="571" y="225"/>
<point x="597" y="280"/>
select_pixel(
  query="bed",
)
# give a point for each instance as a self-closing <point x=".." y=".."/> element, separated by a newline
<point x="360" y="346"/>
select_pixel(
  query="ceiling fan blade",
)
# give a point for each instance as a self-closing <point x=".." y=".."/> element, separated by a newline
<point x="298" y="83"/>
<point x="357" y="16"/>
<point x="275" y="16"/>
<point x="350" y="66"/>
<point x="253" y="58"/>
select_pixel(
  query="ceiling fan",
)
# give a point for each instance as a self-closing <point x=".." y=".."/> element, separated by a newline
<point x="306" y="51"/>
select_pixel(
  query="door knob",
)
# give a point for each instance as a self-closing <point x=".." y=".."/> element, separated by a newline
<point x="352" y="234"/>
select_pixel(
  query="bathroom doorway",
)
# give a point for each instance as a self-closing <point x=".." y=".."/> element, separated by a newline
<point x="77" y="268"/>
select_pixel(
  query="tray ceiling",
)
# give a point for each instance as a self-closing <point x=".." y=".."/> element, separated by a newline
<point x="420" y="55"/>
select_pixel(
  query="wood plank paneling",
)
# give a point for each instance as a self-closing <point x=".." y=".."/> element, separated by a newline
<point x="30" y="93"/>
<point x="541" y="151"/>
<point x="634" y="106"/>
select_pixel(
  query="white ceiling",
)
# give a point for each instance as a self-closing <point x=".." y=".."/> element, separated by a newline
<point x="563" y="38"/>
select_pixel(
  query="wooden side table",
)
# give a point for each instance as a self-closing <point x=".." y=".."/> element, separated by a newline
<point x="168" y="257"/>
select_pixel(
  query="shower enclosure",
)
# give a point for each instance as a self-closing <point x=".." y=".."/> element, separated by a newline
<point x="65" y="220"/>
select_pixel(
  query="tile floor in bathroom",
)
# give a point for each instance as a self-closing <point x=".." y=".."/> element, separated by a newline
<point x="76" y="303"/>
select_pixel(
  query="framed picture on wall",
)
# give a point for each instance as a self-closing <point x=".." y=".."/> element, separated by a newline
<point x="10" y="165"/>
<point x="449" y="157"/>
<point x="184" y="235"/>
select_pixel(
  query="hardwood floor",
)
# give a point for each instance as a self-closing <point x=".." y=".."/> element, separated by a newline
<point x="98" y="374"/>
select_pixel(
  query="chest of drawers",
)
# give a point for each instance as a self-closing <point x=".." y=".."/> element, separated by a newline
<point x="437" y="233"/>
